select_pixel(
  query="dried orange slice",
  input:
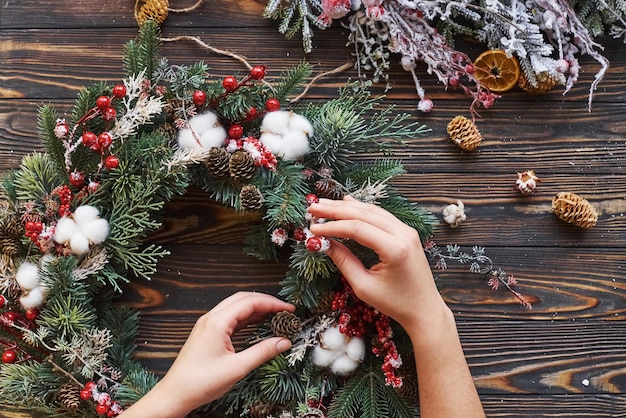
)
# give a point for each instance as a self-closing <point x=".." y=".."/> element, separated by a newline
<point x="493" y="69"/>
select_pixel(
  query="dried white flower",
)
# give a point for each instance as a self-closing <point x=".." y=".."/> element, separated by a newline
<point x="454" y="214"/>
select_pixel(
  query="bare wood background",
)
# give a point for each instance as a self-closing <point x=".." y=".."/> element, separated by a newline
<point x="566" y="357"/>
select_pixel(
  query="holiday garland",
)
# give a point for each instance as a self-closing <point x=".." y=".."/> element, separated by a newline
<point x="73" y="221"/>
<point x="540" y="40"/>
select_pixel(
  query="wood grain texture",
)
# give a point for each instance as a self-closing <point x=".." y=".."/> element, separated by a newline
<point x="564" y="358"/>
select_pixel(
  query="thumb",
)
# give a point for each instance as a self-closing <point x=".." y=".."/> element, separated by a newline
<point x="252" y="357"/>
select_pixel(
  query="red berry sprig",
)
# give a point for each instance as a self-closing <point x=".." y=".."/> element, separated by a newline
<point x="230" y="83"/>
<point x="9" y="356"/>
<point x="65" y="199"/>
<point x="104" y="404"/>
<point x="199" y="98"/>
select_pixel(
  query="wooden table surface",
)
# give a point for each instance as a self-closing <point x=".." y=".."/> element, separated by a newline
<point x="565" y="357"/>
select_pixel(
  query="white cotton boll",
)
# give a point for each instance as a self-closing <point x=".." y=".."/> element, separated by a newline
<point x="214" y="137"/>
<point x="295" y="144"/>
<point x="276" y="122"/>
<point x="27" y="275"/>
<point x="355" y="349"/>
<point x="66" y="227"/>
<point x="334" y="339"/>
<point x="344" y="365"/>
<point x="96" y="231"/>
<point x="79" y="244"/>
<point x="323" y="357"/>
<point x="186" y="139"/>
<point x="203" y="122"/>
<point x="85" y="214"/>
<point x="33" y="299"/>
<point x="300" y="123"/>
<point x="272" y="142"/>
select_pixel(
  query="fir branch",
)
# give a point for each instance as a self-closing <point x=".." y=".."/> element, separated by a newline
<point x="281" y="383"/>
<point x="135" y="385"/>
<point x="67" y="316"/>
<point x="366" y="395"/>
<point x="46" y="122"/>
<point x="291" y="80"/>
<point x="140" y="55"/>
<point x="411" y="214"/>
<point x="35" y="179"/>
<point x="284" y="196"/>
<point x="311" y="266"/>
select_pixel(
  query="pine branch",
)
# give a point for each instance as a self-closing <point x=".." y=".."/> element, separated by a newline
<point x="291" y="81"/>
<point x="284" y="196"/>
<point x="141" y="54"/>
<point x="46" y="122"/>
<point x="35" y="179"/>
<point x="135" y="385"/>
<point x="411" y="214"/>
<point x="281" y="383"/>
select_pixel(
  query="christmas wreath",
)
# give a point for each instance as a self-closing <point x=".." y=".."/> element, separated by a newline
<point x="73" y="220"/>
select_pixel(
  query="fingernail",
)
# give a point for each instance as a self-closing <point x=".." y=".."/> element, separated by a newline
<point x="283" y="345"/>
<point x="323" y="200"/>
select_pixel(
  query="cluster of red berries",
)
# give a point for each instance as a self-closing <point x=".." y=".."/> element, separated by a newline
<point x="32" y="230"/>
<point x="65" y="199"/>
<point x="355" y="316"/>
<point x="104" y="404"/>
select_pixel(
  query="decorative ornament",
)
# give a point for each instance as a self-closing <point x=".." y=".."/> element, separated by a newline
<point x="574" y="209"/>
<point x="454" y="214"/>
<point x="497" y="70"/>
<point x="464" y="133"/>
<point x="527" y="182"/>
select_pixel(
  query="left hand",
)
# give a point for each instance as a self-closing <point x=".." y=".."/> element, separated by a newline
<point x="208" y="365"/>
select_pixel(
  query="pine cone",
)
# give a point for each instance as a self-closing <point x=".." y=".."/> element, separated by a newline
<point x="241" y="166"/>
<point x="218" y="162"/>
<point x="286" y="324"/>
<point x="156" y="10"/>
<point x="260" y="409"/>
<point x="13" y="228"/>
<point x="69" y="396"/>
<point x="173" y="109"/>
<point x="545" y="82"/>
<point x="329" y="188"/>
<point x="312" y="413"/>
<point x="574" y="209"/>
<point x="464" y="133"/>
<point x="168" y="130"/>
<point x="8" y="247"/>
<point x="251" y="197"/>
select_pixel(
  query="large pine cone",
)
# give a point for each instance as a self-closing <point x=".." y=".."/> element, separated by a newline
<point x="156" y="10"/>
<point x="251" y="197"/>
<point x="241" y="166"/>
<point x="13" y="227"/>
<point x="286" y="324"/>
<point x="545" y="82"/>
<point x="574" y="209"/>
<point x="8" y="247"/>
<point x="464" y="133"/>
<point x="69" y="396"/>
<point x="218" y="162"/>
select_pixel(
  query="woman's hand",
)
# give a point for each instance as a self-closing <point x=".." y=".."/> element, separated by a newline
<point x="207" y="365"/>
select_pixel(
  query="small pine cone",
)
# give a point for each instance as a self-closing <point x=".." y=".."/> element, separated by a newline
<point x="574" y="209"/>
<point x="545" y="82"/>
<point x="173" y="109"/>
<point x="328" y="188"/>
<point x="325" y="302"/>
<point x="69" y="396"/>
<point x="168" y="130"/>
<point x="251" y="197"/>
<point x="13" y="227"/>
<point x="241" y="166"/>
<point x="156" y="10"/>
<point x="8" y="247"/>
<point x="218" y="162"/>
<point x="312" y="413"/>
<point x="286" y="324"/>
<point x="464" y="133"/>
<point x="260" y="409"/>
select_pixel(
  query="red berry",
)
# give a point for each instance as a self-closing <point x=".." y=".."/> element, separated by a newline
<point x="299" y="234"/>
<point x="77" y="179"/>
<point x="10" y="316"/>
<point x="3" y="301"/>
<point x="89" y="139"/>
<point x="257" y="72"/>
<point x="109" y="114"/>
<point x="90" y="385"/>
<point x="119" y="91"/>
<point x="111" y="413"/>
<point x="31" y="314"/>
<point x="85" y="394"/>
<point x="103" y="103"/>
<point x="105" y="140"/>
<point x="235" y="131"/>
<point x="252" y="113"/>
<point x="199" y="98"/>
<point x="102" y="409"/>
<point x="469" y="68"/>
<point x="111" y="162"/>
<point x="311" y="198"/>
<point x="230" y="83"/>
<point x="9" y="356"/>
<point x="272" y="105"/>
<point x="313" y="244"/>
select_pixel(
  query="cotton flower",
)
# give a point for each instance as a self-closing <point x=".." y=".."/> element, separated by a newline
<point x="81" y="229"/>
<point x="338" y="352"/>
<point x="33" y="292"/>
<point x="286" y="134"/>
<point x="454" y="214"/>
<point x="203" y="130"/>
